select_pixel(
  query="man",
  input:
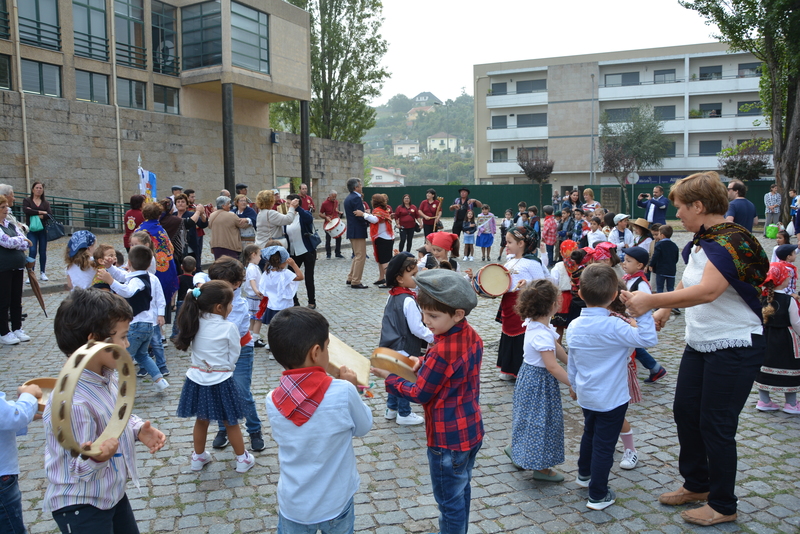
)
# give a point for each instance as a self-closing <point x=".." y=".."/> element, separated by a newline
<point x="461" y="206"/>
<point x="224" y="193"/>
<point x="176" y="190"/>
<point x="772" y="203"/>
<point x="201" y="224"/>
<point x="357" y="227"/>
<point x="280" y="204"/>
<point x="655" y="207"/>
<point x="330" y="210"/>
<point x="740" y="210"/>
<point x="305" y="200"/>
<point x="241" y="189"/>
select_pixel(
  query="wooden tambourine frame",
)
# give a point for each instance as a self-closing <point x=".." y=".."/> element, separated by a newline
<point x="394" y="362"/>
<point x="61" y="403"/>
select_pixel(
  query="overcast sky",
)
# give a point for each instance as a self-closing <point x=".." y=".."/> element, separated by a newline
<point x="433" y="44"/>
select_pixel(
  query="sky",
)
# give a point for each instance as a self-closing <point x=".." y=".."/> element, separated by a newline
<point x="433" y="44"/>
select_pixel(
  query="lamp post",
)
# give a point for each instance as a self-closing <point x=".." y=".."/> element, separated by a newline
<point x="447" y="137"/>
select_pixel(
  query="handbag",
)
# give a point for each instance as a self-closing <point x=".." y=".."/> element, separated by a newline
<point x="417" y="228"/>
<point x="36" y="224"/>
<point x="314" y="239"/>
<point x="55" y="229"/>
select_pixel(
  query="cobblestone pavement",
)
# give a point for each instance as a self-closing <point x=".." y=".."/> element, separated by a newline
<point x="395" y="494"/>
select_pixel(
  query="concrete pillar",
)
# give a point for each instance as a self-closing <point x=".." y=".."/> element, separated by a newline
<point x="227" y="137"/>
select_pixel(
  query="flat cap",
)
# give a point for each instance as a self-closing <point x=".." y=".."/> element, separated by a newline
<point x="638" y="253"/>
<point x="448" y="287"/>
<point x="620" y="217"/>
<point x="177" y="187"/>
<point x="784" y="251"/>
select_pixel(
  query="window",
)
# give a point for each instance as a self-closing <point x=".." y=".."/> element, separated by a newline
<point x="4" y="27"/>
<point x="664" y="76"/>
<point x="529" y="120"/>
<point x="534" y="152"/>
<point x="165" y="39"/>
<point x="626" y="78"/>
<point x="499" y="88"/>
<point x="91" y="87"/>
<point x="664" y="113"/>
<point x="499" y="122"/>
<point x="5" y="72"/>
<point x="749" y="108"/>
<point x="129" y="25"/>
<point x="89" y="18"/>
<point x="711" y="110"/>
<point x="165" y="99"/>
<point x="671" y="149"/>
<point x="531" y="86"/>
<point x="499" y="155"/>
<point x="130" y="93"/>
<point x="749" y="70"/>
<point x="201" y="25"/>
<point x="41" y="78"/>
<point x="710" y="148"/>
<point x="711" y="73"/>
<point x="38" y="23"/>
<point x="618" y="114"/>
<point x="249" y="38"/>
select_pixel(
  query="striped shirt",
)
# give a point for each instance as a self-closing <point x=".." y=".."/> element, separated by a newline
<point x="74" y="481"/>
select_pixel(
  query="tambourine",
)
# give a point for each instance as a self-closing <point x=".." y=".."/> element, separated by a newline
<point x="394" y="362"/>
<point x="46" y="384"/>
<point x="64" y="390"/>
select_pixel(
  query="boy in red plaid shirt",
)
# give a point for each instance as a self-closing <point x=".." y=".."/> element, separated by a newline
<point x="448" y="386"/>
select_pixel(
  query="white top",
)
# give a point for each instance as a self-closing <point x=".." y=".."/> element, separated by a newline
<point x="560" y="277"/>
<point x="725" y="323"/>
<point x="538" y="338"/>
<point x="383" y="226"/>
<point x="240" y="315"/>
<point x="215" y="348"/>
<point x="622" y="241"/>
<point x="644" y="285"/>
<point x="296" y="245"/>
<point x="597" y="236"/>
<point x="151" y="269"/>
<point x="414" y="319"/>
<point x="252" y="273"/>
<point x="646" y="244"/>
<point x="525" y="269"/>
<point x="126" y="285"/>
<point x="200" y="278"/>
<point x="80" y="278"/>
<point x="318" y="474"/>
<point x="279" y="287"/>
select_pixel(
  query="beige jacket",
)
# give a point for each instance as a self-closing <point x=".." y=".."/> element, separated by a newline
<point x="224" y="227"/>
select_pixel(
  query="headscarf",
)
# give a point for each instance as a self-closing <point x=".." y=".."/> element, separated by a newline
<point x="531" y="239"/>
<point x="80" y="239"/>
<point x="777" y="274"/>
<point x="443" y="240"/>
<point x="603" y="251"/>
<point x="268" y="252"/>
<point x="567" y="248"/>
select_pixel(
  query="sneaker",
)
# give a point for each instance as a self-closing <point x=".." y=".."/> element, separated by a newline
<point x="9" y="339"/>
<point x="259" y="344"/>
<point x="43" y="278"/>
<point x="164" y="342"/>
<point x="164" y="371"/>
<point x="142" y="372"/>
<point x="21" y="335"/>
<point x="257" y="442"/>
<point x="629" y="459"/>
<point x="390" y="414"/>
<point x="28" y="281"/>
<point x="161" y="385"/>
<point x="506" y="378"/>
<point x="583" y="481"/>
<point x="794" y="410"/>
<point x="220" y="440"/>
<point x="246" y="464"/>
<point x="676" y="311"/>
<point x="603" y="503"/>
<point x="767" y="406"/>
<point x="471" y="258"/>
<point x="199" y="460"/>
<point x="413" y="419"/>
<point x="661" y="373"/>
<point x="464" y="258"/>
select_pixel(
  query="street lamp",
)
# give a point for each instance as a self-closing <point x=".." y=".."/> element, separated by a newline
<point x="447" y="137"/>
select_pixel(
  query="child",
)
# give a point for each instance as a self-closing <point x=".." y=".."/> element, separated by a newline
<point x="470" y="226"/>
<point x="448" y="386"/>
<point x="595" y="234"/>
<point x="533" y="219"/>
<point x="642" y="236"/>
<point x="314" y="426"/>
<point x="786" y="255"/>
<point x="621" y="235"/>
<point x="606" y="253"/>
<point x="278" y="283"/>
<point x="783" y="238"/>
<point x="185" y="284"/>
<point x="88" y="494"/>
<point x="402" y="329"/>
<point x="522" y="207"/>
<point x="599" y="347"/>
<point x="505" y="226"/>
<point x="209" y="391"/>
<point x="574" y="226"/>
<point x="78" y="259"/>
<point x="665" y="260"/>
<point x="486" y="230"/>
<point x="422" y="252"/>
<point x="562" y="277"/>
<point x="549" y="234"/>
<point x="537" y="431"/>
<point x="442" y="244"/>
<point x="781" y="370"/>
<point x="143" y="238"/>
<point x="104" y="255"/>
<point x="251" y="257"/>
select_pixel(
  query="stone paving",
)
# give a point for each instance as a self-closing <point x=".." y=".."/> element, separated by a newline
<point x="395" y="494"/>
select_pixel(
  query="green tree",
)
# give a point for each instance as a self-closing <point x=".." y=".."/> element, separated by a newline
<point x="400" y="103"/>
<point x="748" y="160"/>
<point x="346" y="72"/>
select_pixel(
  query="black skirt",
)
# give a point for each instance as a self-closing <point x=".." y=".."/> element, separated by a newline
<point x="383" y="249"/>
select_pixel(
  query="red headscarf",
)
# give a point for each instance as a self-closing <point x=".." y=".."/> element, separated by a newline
<point x="777" y="274"/>
<point x="603" y="251"/>
<point x="443" y="240"/>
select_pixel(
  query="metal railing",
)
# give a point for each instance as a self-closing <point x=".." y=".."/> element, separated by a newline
<point x="37" y="33"/>
<point x="166" y="64"/>
<point x="80" y="213"/>
<point x="131" y="55"/>
<point x="91" y="46"/>
<point x="4" y="25"/>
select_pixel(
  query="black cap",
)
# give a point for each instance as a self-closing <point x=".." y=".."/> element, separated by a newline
<point x="393" y="268"/>
<point x="241" y="186"/>
<point x="464" y="189"/>
<point x="639" y="254"/>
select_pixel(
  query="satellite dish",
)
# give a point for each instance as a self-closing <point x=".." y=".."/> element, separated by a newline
<point x="632" y="178"/>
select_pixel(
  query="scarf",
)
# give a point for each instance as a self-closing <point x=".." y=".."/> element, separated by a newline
<point x="383" y="216"/>
<point x="400" y="291"/>
<point x="638" y="274"/>
<point x="166" y="270"/>
<point x="777" y="274"/>
<point x="299" y="393"/>
<point x="738" y="255"/>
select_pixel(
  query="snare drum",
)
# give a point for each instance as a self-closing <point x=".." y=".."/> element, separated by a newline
<point x="335" y="228"/>
<point x="492" y="281"/>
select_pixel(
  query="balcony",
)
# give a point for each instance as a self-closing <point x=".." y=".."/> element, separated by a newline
<point x="726" y="123"/>
<point x="691" y="164"/>
<point x="727" y="84"/>
<point x="515" y="100"/>
<point x="516" y="134"/>
<point x="498" y="167"/>
<point x="641" y="91"/>
<point x="4" y="27"/>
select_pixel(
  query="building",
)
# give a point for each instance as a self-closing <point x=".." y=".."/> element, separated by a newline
<point x="553" y="105"/>
<point x="442" y="141"/>
<point x="406" y="147"/>
<point x="426" y="99"/>
<point x="413" y="113"/>
<point x="390" y="177"/>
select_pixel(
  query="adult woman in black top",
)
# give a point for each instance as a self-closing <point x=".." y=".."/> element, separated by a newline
<point x="192" y="220"/>
<point x="35" y="206"/>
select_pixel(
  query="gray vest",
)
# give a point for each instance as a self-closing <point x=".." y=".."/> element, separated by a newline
<point x="395" y="333"/>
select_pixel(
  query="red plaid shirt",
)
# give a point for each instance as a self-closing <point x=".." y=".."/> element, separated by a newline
<point x="549" y="230"/>
<point x="449" y="387"/>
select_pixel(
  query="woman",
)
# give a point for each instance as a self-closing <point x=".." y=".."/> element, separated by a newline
<point x="176" y="231"/>
<point x="381" y="234"/>
<point x="192" y="220"/>
<point x="724" y="344"/>
<point x="430" y="210"/>
<point x="406" y="216"/>
<point x="590" y="204"/>
<point x="166" y="272"/>
<point x="270" y="222"/>
<point x="226" y="240"/>
<point x="36" y="207"/>
<point x="243" y="210"/>
<point x="572" y="203"/>
<point x="301" y="250"/>
<point x="13" y="247"/>
<point x="133" y="218"/>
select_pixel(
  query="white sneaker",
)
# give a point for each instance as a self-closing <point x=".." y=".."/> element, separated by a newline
<point x="21" y="335"/>
<point x="629" y="459"/>
<point x="410" y="419"/>
<point x="472" y="258"/>
<point x="28" y="281"/>
<point x="198" y="461"/>
<point x="243" y="466"/>
<point x="464" y="258"/>
<point x="9" y="339"/>
<point x="43" y="277"/>
<point x="390" y="414"/>
<point x="161" y="385"/>
<point x="506" y="378"/>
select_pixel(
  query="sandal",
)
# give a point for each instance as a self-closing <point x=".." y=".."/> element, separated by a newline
<point x="312" y="306"/>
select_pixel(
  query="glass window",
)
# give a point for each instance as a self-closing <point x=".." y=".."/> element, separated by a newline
<point x="249" y="38"/>
<point x="711" y="73"/>
<point x="528" y="120"/>
<point x="671" y="149"/>
<point x="749" y="108"/>
<point x="499" y="88"/>
<point x="499" y="155"/>
<point x="748" y="70"/>
<point x="38" y="23"/>
<point x="129" y="25"/>
<point x="5" y="72"/>
<point x="499" y="122"/>
<point x="165" y="99"/>
<point x="91" y="87"/>
<point x="4" y="26"/>
<point x="41" y="78"/>
<point x="664" y="113"/>
<point x="201" y="26"/>
<point x="625" y="78"/>
<point x="710" y="148"/>
<point x="130" y="93"/>
<point x="89" y="18"/>
<point x="531" y="86"/>
<point x="664" y="76"/>
<point x="711" y="110"/>
<point x="618" y="114"/>
<point x="165" y="38"/>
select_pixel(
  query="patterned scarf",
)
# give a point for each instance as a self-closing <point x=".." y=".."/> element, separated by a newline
<point x="299" y="393"/>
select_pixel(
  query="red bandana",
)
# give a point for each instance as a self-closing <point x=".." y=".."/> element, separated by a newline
<point x="637" y="274"/>
<point x="400" y="290"/>
<point x="299" y="393"/>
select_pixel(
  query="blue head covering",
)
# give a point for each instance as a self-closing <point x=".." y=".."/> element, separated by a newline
<point x="80" y="239"/>
<point x="268" y="252"/>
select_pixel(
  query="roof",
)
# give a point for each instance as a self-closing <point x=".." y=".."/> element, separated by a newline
<point x="388" y="171"/>
<point x="444" y="135"/>
<point x="386" y="184"/>
<point x="406" y="142"/>
<point x="430" y="97"/>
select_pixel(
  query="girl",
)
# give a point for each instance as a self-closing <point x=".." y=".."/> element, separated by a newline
<point x="783" y="238"/>
<point x="486" y="230"/>
<point x="251" y="257"/>
<point x="278" y="283"/>
<point x="470" y="227"/>
<point x="143" y="238"/>
<point x="104" y="257"/>
<point x="209" y="392"/>
<point x="78" y="259"/>
<point x="537" y="429"/>
<point x="781" y="370"/>
<point x="642" y="236"/>
<point x="505" y="226"/>
<point x="606" y="253"/>
<point x="562" y="276"/>
<point x="442" y="244"/>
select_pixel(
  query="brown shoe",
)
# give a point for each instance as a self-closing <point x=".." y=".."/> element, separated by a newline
<point x="706" y="516"/>
<point x="681" y="496"/>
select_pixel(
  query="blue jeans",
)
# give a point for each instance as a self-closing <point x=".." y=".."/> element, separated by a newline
<point x="39" y="242"/>
<point x="549" y="249"/>
<point x="399" y="404"/>
<point x="661" y="280"/>
<point x="645" y="359"/>
<point x="178" y="305"/>
<point x="157" y="349"/>
<point x="451" y="473"/>
<point x="242" y="376"/>
<point x="11" y="505"/>
<point x="600" y="433"/>
<point x="344" y="523"/>
<point x="139" y="336"/>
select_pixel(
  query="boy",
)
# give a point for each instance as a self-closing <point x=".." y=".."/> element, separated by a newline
<point x="88" y="494"/>
<point x="664" y="261"/>
<point x="620" y="235"/>
<point x="314" y="426"/>
<point x="185" y="283"/>
<point x="599" y="349"/>
<point x="522" y="207"/>
<point x="549" y="233"/>
<point x="595" y="234"/>
<point x="448" y="386"/>
<point x="533" y="219"/>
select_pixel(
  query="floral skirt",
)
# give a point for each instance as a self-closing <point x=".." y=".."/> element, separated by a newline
<point x="537" y="428"/>
<point x="220" y="402"/>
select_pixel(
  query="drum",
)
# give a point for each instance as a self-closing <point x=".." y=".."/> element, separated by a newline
<point x="46" y="385"/>
<point x="492" y="281"/>
<point x="340" y="354"/>
<point x="335" y="228"/>
<point x="394" y="362"/>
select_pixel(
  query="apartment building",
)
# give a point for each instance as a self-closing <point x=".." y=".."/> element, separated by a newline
<point x="706" y="95"/>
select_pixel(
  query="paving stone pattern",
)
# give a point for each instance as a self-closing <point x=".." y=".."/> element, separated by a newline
<point x="395" y="494"/>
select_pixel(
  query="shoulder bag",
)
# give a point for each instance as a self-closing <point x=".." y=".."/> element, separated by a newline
<point x="55" y="229"/>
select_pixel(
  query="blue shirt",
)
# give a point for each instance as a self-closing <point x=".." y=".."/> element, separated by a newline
<point x="14" y="420"/>
<point x="743" y="212"/>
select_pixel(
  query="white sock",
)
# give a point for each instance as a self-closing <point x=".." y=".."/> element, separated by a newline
<point x="196" y="456"/>
<point x="242" y="457"/>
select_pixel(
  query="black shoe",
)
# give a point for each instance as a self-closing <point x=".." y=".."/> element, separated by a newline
<point x="328" y="256"/>
<point x="348" y="282"/>
<point x="379" y="282"/>
<point x="164" y="371"/>
<point x="312" y="306"/>
<point x="257" y="442"/>
<point x="339" y="257"/>
<point x="676" y="311"/>
<point x="141" y="372"/>
<point x="359" y="286"/>
<point x="221" y="441"/>
<point x="259" y="344"/>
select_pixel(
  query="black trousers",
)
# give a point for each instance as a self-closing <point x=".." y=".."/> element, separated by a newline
<point x="310" y="260"/>
<point x="427" y="229"/>
<point x="11" y="300"/>
<point x="87" y="518"/>
<point x="406" y="235"/>
<point x="711" y="391"/>
<point x="458" y="226"/>
<point x="328" y="245"/>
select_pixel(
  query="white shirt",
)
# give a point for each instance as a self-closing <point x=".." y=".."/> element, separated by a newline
<point x="560" y="277"/>
<point x="296" y="245"/>
<point x="127" y="285"/>
<point x="525" y="269"/>
<point x="383" y="227"/>
<point x="414" y="319"/>
<point x="596" y="236"/>
<point x="252" y="273"/>
<point x="625" y="240"/>
<point x="79" y="277"/>
<point x="538" y="338"/>
<point x="279" y="287"/>
<point x="215" y="348"/>
<point x="240" y="315"/>
<point x="644" y="285"/>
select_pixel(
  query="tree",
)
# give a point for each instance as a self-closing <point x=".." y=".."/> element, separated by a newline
<point x="538" y="169"/>
<point x="346" y="52"/>
<point x="400" y="104"/>
<point x="747" y="161"/>
<point x="635" y="143"/>
<point x="770" y="30"/>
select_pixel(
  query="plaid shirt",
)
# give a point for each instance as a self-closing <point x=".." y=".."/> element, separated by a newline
<point x="772" y="199"/>
<point x="448" y="385"/>
<point x="549" y="230"/>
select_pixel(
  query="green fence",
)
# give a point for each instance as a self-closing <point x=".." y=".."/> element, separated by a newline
<point x="77" y="213"/>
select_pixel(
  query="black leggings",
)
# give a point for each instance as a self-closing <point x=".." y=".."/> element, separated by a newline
<point x="406" y="235"/>
<point x="310" y="260"/>
<point x="11" y="300"/>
